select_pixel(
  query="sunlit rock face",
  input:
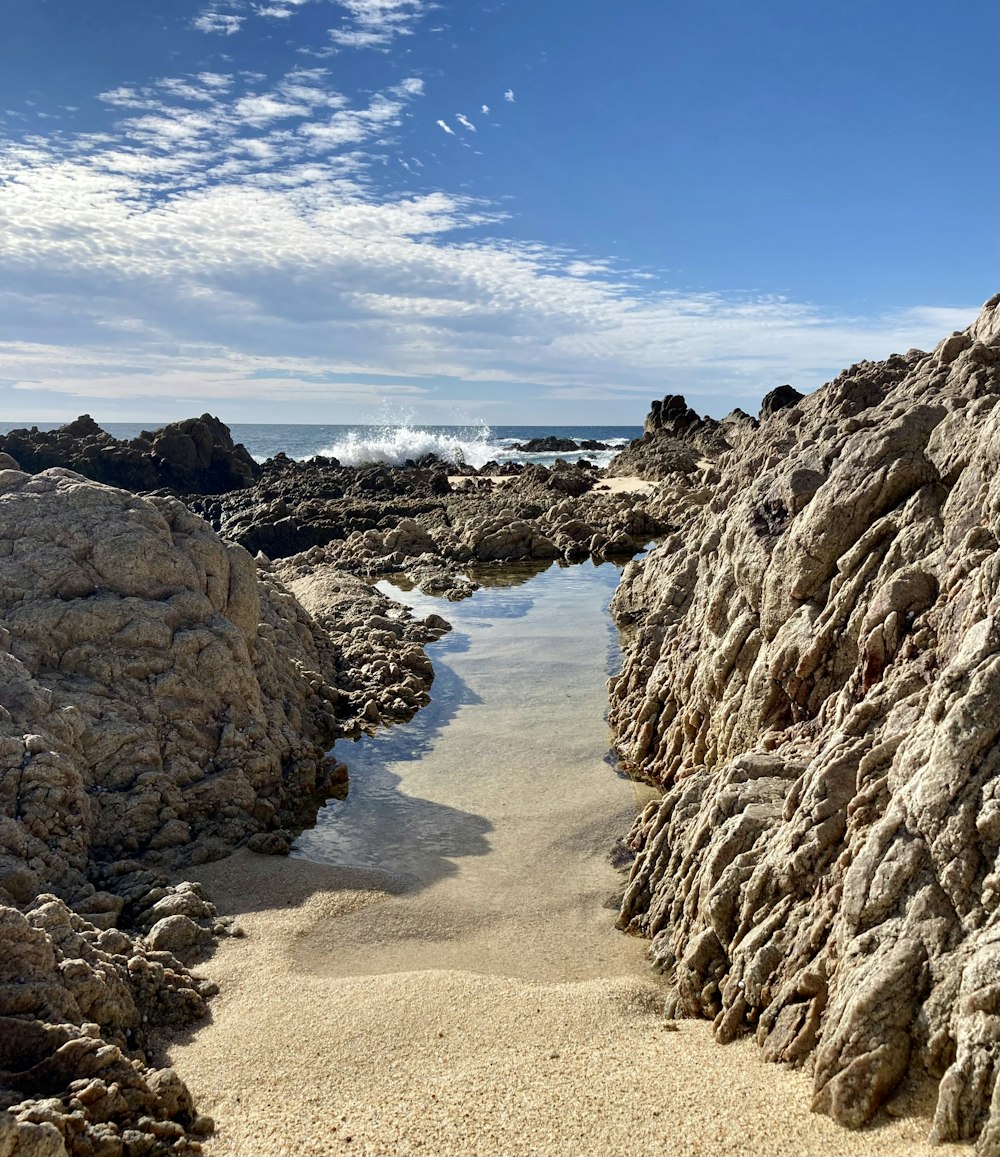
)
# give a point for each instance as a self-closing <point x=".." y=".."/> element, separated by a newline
<point x="813" y="675"/>
<point x="163" y="698"/>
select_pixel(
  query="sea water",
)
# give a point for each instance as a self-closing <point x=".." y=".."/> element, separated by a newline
<point x="491" y="815"/>
<point x="394" y="443"/>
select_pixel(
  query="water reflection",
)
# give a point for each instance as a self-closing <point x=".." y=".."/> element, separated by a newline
<point x="523" y="666"/>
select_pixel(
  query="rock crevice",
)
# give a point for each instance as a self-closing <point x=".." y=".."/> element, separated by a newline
<point x="813" y="675"/>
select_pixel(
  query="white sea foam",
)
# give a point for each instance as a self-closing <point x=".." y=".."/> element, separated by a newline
<point x="394" y="445"/>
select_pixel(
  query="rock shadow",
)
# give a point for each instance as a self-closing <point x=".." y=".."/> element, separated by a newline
<point x="410" y="842"/>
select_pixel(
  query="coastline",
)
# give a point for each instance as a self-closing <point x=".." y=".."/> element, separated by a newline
<point x="453" y="1061"/>
<point x="703" y="707"/>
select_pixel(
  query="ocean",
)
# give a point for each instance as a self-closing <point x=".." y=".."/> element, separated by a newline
<point x="355" y="445"/>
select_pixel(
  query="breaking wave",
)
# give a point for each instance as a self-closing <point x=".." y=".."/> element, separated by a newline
<point x="395" y="445"/>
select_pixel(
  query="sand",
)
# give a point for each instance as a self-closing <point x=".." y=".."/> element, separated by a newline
<point x="446" y="1061"/>
<point x="450" y="981"/>
<point x="628" y="485"/>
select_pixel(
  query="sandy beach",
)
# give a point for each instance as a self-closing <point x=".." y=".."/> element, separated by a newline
<point x="449" y="1061"/>
<point x="449" y="980"/>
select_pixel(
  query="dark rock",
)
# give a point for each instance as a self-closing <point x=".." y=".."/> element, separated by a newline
<point x="196" y="455"/>
<point x="548" y="445"/>
<point x="779" y="399"/>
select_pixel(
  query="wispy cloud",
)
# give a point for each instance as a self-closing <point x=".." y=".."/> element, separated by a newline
<point x="485" y="109"/>
<point x="225" y="23"/>
<point x="465" y="122"/>
<point x="223" y="236"/>
<point x="376" y="23"/>
<point x="280" y="10"/>
<point x="509" y="96"/>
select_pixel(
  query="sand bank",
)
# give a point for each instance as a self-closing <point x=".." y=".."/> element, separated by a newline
<point x="444" y="976"/>
<point x="443" y="1061"/>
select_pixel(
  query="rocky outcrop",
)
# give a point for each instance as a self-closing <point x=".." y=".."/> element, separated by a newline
<point x="382" y="520"/>
<point x="551" y="444"/>
<point x="655" y="458"/>
<point x="813" y="675"/>
<point x="779" y="399"/>
<point x="196" y="455"/>
<point x="162" y="699"/>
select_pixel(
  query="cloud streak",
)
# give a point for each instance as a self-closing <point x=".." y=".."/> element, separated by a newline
<point x="376" y="23"/>
<point x="223" y="239"/>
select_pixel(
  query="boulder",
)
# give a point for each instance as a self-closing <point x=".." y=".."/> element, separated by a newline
<point x="813" y="676"/>
<point x="194" y="455"/>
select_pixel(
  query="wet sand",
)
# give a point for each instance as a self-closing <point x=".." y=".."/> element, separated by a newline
<point x="442" y="975"/>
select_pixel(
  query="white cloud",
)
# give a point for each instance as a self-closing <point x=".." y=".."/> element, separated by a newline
<point x="281" y="10"/>
<point x="509" y="96"/>
<point x="465" y="122"/>
<point x="485" y="109"/>
<point x="222" y="22"/>
<point x="225" y="238"/>
<point x="376" y="23"/>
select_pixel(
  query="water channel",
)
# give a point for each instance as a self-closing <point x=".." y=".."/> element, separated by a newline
<point x="492" y="814"/>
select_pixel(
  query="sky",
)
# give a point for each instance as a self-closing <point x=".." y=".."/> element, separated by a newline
<point x="538" y="212"/>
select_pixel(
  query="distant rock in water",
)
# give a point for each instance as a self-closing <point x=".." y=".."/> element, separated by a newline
<point x="196" y="455"/>
<point x="553" y="445"/>
<point x="813" y="675"/>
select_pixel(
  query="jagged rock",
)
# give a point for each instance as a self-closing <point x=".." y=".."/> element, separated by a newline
<point x="655" y="457"/>
<point x="549" y="445"/>
<point x="813" y="675"/>
<point x="194" y="455"/>
<point x="77" y="1005"/>
<point x="779" y="399"/>
<point x="673" y="416"/>
<point x="155" y="697"/>
<point x="676" y="442"/>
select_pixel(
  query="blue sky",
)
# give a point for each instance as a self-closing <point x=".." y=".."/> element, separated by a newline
<point x="510" y="211"/>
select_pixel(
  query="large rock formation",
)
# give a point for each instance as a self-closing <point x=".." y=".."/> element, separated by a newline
<point x="813" y="675"/>
<point x="162" y="699"/>
<point x="196" y="455"/>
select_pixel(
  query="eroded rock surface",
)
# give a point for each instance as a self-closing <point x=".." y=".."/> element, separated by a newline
<point x="813" y="675"/>
<point x="162" y="699"/>
<point x="193" y="455"/>
<point x="380" y="520"/>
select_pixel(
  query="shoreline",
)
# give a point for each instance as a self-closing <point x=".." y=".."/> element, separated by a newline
<point x="283" y="651"/>
<point x="446" y="1061"/>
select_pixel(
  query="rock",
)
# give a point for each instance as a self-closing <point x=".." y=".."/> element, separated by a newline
<point x="175" y="934"/>
<point x="779" y="399"/>
<point x="270" y="843"/>
<point x="153" y="686"/>
<point x="76" y="1005"/>
<point x="673" y="416"/>
<point x="193" y="455"/>
<point x="813" y="676"/>
<point x="549" y="445"/>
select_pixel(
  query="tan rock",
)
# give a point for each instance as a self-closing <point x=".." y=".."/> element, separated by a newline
<point x="814" y="676"/>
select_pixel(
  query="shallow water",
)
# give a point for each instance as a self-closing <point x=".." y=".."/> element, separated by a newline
<point x="492" y="814"/>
